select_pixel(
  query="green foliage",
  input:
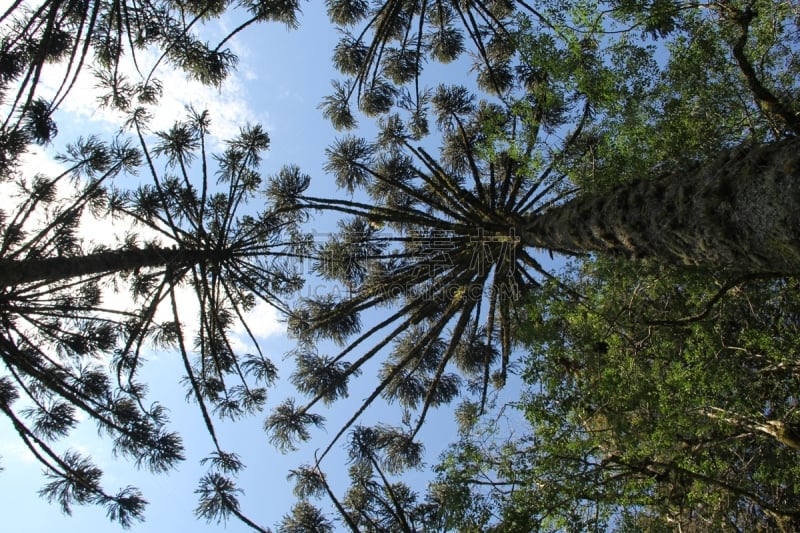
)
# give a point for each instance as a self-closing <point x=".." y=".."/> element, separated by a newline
<point x="394" y="41"/>
<point x="693" y="98"/>
<point x="584" y="103"/>
<point x="288" y="425"/>
<point x="652" y="396"/>
<point x="637" y="414"/>
<point x="305" y="518"/>
<point x="217" y="498"/>
<point x="320" y="375"/>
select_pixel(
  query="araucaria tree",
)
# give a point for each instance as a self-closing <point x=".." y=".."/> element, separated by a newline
<point x="108" y="37"/>
<point x="452" y="240"/>
<point x="385" y="46"/>
<point x="439" y="234"/>
<point x="583" y="144"/>
<point x="70" y="352"/>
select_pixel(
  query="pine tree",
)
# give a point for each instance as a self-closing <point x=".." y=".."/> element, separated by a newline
<point x="57" y="331"/>
<point x="76" y="35"/>
<point x="386" y="45"/>
<point x="451" y="242"/>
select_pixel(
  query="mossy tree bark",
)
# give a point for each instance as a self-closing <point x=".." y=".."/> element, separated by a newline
<point x="741" y="211"/>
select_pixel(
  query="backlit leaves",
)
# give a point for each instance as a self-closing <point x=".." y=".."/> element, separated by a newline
<point x="336" y="107"/>
<point x="80" y="489"/>
<point x="56" y="324"/>
<point x="396" y="39"/>
<point x="54" y="421"/>
<point x="288" y="425"/>
<point x="309" y="481"/>
<point x="320" y="376"/>
<point x="305" y="518"/>
<point x="346" y="12"/>
<point x="218" y="498"/>
<point x="68" y="38"/>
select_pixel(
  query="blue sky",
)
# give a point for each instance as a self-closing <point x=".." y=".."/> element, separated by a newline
<point x="281" y="79"/>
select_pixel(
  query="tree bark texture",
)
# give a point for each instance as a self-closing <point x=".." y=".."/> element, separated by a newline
<point x="53" y="269"/>
<point x="740" y="211"/>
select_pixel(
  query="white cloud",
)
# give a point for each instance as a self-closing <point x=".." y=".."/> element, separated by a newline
<point x="263" y="322"/>
<point x="228" y="104"/>
<point x="36" y="161"/>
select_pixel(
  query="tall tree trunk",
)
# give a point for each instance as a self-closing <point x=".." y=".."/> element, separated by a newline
<point x="741" y="211"/>
<point x="52" y="269"/>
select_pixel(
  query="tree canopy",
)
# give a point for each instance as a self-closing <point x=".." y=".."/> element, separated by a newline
<point x="109" y="38"/>
<point x="656" y="400"/>
<point x="67" y="350"/>
<point x="653" y="145"/>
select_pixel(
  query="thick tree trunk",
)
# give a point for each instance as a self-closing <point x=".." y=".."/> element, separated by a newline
<point x="741" y="211"/>
<point x="54" y="269"/>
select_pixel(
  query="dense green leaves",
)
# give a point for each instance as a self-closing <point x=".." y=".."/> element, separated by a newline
<point x="648" y="403"/>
